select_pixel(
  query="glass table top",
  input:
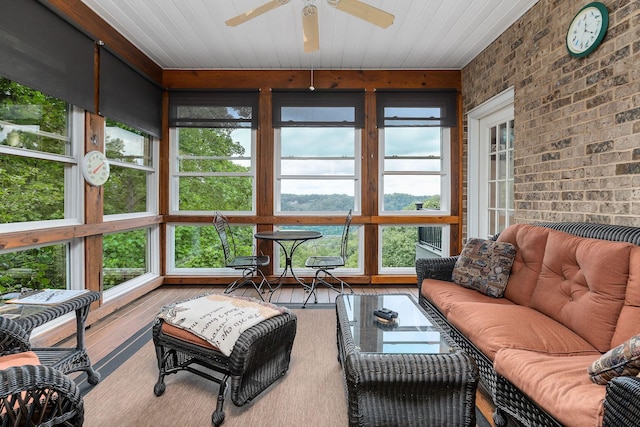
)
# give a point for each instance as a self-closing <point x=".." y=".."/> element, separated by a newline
<point x="411" y="333"/>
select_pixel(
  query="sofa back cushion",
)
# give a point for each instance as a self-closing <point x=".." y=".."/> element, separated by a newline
<point x="629" y="320"/>
<point x="582" y="285"/>
<point x="529" y="242"/>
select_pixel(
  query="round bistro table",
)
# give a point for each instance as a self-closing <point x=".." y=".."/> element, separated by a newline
<point x="298" y="237"/>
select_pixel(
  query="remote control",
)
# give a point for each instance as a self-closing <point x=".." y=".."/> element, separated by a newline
<point x="385" y="313"/>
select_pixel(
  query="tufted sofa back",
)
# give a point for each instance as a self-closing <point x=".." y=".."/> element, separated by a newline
<point x="590" y="284"/>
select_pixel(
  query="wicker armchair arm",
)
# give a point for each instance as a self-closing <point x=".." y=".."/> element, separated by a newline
<point x="37" y="395"/>
<point x="622" y="404"/>
<point x="435" y="268"/>
<point x="13" y="337"/>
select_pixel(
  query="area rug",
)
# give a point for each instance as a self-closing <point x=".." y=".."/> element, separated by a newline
<point x="311" y="393"/>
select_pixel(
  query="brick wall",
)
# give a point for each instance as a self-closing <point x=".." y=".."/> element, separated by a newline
<point x="577" y="134"/>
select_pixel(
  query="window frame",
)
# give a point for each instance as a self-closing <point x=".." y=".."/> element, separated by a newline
<point x="172" y="270"/>
<point x="446" y="245"/>
<point x="315" y="102"/>
<point x="356" y="177"/>
<point x="181" y="117"/>
<point x="502" y="106"/>
<point x="175" y="175"/>
<point x="444" y="174"/>
<point x="73" y="179"/>
<point x="153" y="266"/>
<point x="152" y="183"/>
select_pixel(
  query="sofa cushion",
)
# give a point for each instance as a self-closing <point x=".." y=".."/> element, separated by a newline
<point x="443" y="294"/>
<point x="484" y="265"/>
<point x="529" y="241"/>
<point x="629" y="320"/>
<point x="492" y="327"/>
<point x="558" y="384"/>
<point x="582" y="285"/>
<point x="623" y="360"/>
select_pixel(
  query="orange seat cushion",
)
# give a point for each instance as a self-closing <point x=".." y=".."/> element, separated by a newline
<point x="185" y="335"/>
<point x="559" y="384"/>
<point x="19" y="359"/>
<point x="493" y="327"/>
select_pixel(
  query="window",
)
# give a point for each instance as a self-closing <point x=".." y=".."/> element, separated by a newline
<point x="414" y="173"/>
<point x="130" y="159"/>
<point x="402" y="245"/>
<point x="490" y="163"/>
<point x="317" y="151"/>
<point x="414" y="170"/>
<point x="38" y="159"/>
<point x="42" y="267"/>
<point x="328" y="245"/>
<point x="500" y="204"/>
<point x="197" y="249"/>
<point x="126" y="258"/>
<point x="415" y="150"/>
<point x="213" y="151"/>
<point x="131" y="190"/>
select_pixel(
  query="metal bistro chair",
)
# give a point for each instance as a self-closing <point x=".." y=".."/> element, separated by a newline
<point x="249" y="264"/>
<point x="323" y="265"/>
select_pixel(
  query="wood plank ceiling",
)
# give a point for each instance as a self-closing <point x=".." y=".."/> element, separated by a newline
<point x="426" y="34"/>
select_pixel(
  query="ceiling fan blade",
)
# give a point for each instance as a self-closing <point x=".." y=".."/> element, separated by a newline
<point x="364" y="11"/>
<point x="250" y="14"/>
<point x="310" y="28"/>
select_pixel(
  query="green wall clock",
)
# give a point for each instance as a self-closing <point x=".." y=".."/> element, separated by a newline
<point x="587" y="29"/>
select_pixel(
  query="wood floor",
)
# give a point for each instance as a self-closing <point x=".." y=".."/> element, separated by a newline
<point x="107" y="334"/>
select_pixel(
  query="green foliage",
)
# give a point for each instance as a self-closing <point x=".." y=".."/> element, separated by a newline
<point x="123" y="253"/>
<point x="211" y="150"/>
<point x="399" y="248"/>
<point x="38" y="268"/>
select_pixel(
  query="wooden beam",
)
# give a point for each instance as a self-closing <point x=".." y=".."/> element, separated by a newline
<point x="322" y="79"/>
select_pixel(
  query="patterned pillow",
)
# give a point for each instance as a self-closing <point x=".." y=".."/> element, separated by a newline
<point x="484" y="265"/>
<point x="619" y="361"/>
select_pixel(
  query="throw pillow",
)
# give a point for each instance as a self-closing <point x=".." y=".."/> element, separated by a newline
<point x="484" y="265"/>
<point x="621" y="360"/>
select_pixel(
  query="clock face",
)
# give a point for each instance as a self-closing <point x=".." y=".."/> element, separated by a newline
<point x="587" y="29"/>
<point x="95" y="168"/>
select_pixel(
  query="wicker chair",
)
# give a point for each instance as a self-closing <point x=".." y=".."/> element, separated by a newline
<point x="32" y="394"/>
<point x="323" y="265"/>
<point x="250" y="264"/>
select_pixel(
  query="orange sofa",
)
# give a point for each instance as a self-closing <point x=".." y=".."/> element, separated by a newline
<point x="573" y="294"/>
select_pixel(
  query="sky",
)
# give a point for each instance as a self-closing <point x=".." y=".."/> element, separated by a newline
<point x="326" y="146"/>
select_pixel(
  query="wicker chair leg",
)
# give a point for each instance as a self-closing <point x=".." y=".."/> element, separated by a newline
<point x="500" y="418"/>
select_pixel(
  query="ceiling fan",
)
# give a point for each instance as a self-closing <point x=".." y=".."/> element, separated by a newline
<point x="310" y="17"/>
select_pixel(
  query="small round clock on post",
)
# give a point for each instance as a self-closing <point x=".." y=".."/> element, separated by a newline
<point x="587" y="29"/>
<point x="95" y="168"/>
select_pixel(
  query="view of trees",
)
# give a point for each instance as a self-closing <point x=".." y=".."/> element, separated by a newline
<point x="33" y="189"/>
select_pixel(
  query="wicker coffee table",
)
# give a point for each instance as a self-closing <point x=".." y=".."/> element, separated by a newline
<point x="405" y="373"/>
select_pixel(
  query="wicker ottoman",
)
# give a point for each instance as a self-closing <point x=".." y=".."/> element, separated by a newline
<point x="260" y="356"/>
